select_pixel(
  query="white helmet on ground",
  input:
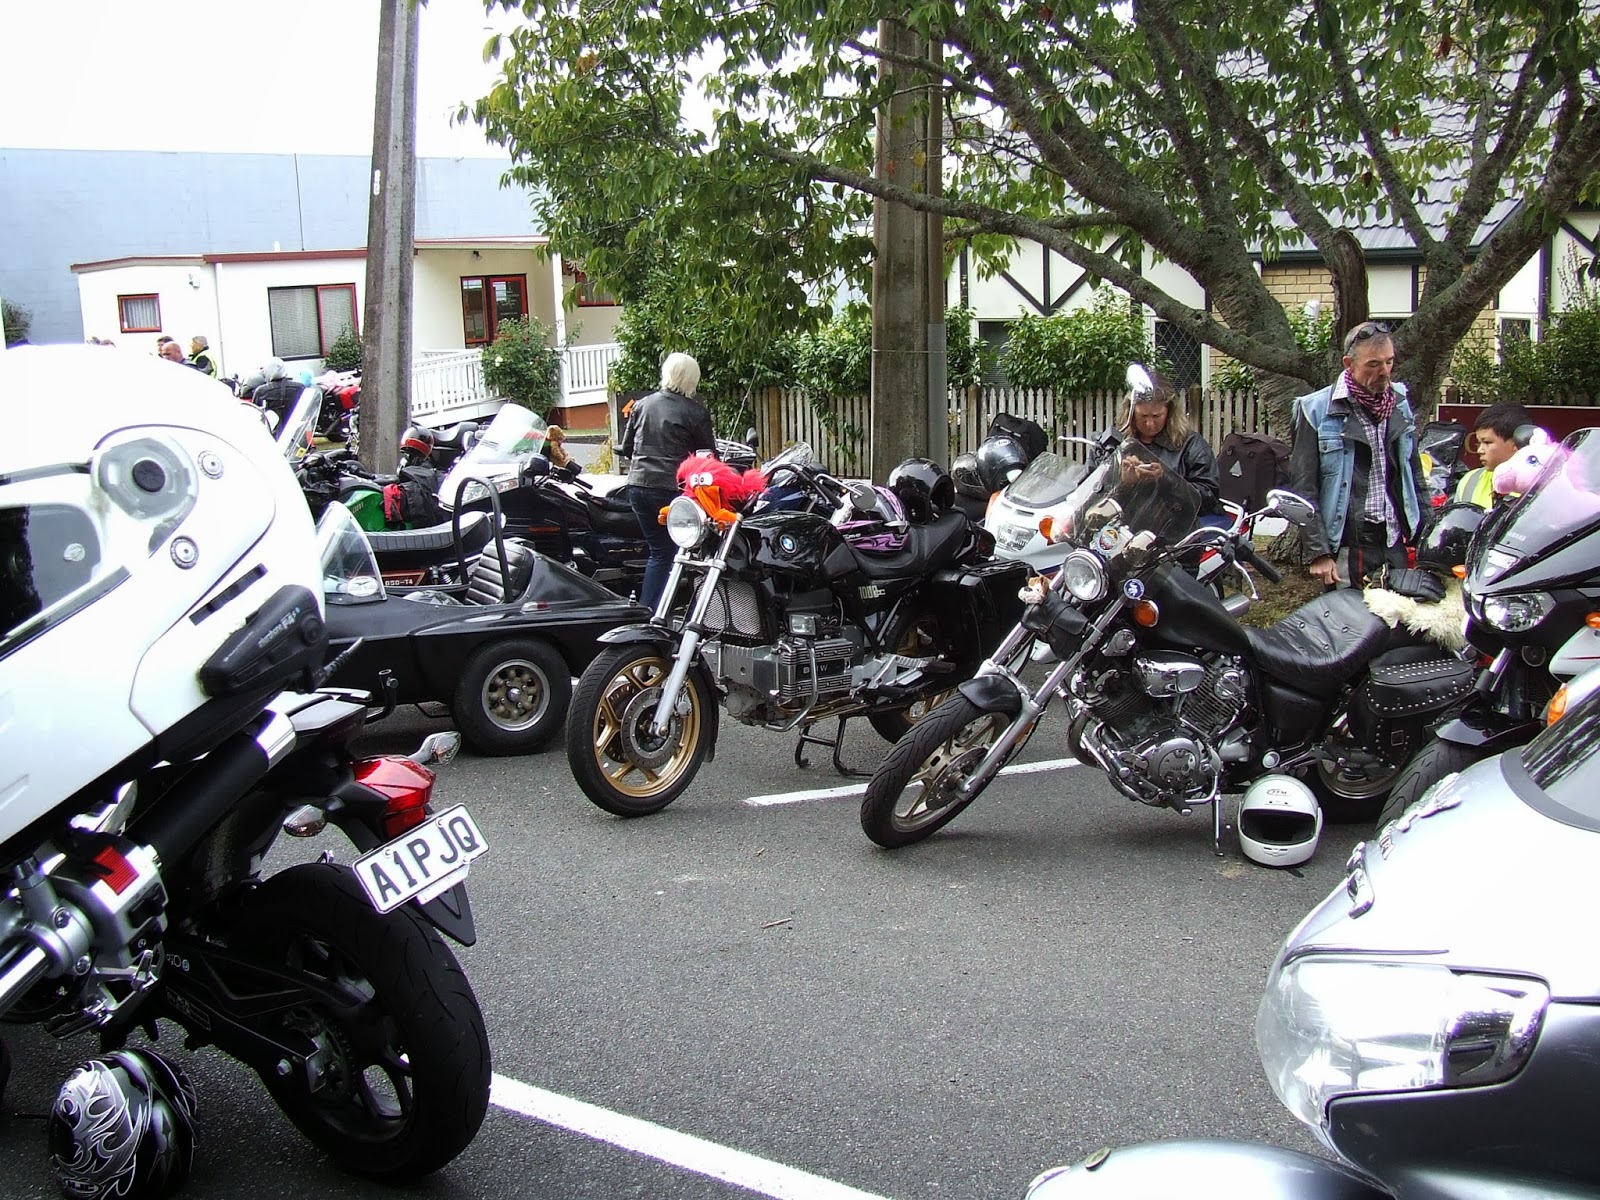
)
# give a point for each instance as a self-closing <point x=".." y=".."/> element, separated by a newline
<point x="1280" y="822"/>
<point x="153" y="528"/>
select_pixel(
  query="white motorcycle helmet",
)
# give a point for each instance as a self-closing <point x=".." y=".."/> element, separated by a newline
<point x="1280" y="822"/>
<point x="155" y="525"/>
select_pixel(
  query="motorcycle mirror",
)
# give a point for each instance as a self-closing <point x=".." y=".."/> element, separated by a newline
<point x="437" y="749"/>
<point x="752" y="438"/>
<point x="1139" y="381"/>
<point x="1297" y="510"/>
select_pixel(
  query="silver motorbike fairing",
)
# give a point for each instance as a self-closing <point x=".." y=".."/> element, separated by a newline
<point x="1203" y="1169"/>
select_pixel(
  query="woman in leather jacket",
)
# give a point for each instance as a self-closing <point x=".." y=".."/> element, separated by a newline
<point x="1157" y="420"/>
<point x="664" y="428"/>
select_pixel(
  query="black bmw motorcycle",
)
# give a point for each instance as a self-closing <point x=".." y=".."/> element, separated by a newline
<point x="793" y="620"/>
<point x="1532" y="581"/>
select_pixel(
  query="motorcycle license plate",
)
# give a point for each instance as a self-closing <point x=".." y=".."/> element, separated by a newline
<point x="423" y="862"/>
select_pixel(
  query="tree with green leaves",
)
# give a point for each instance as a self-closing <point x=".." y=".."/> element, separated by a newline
<point x="1205" y="132"/>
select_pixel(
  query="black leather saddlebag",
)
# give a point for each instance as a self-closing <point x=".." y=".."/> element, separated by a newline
<point x="1406" y="691"/>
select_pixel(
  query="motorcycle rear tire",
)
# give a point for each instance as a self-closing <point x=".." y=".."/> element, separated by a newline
<point x="609" y="720"/>
<point x="316" y="919"/>
<point x="1429" y="765"/>
<point x="920" y="765"/>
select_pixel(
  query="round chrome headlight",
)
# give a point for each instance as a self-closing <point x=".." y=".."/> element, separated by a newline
<point x="1084" y="576"/>
<point x="686" y="523"/>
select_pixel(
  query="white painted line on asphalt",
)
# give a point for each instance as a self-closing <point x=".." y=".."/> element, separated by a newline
<point x="683" y="1150"/>
<point x="859" y="789"/>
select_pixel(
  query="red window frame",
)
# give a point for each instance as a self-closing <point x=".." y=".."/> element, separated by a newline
<point x="491" y="318"/>
<point x="583" y="289"/>
<point x="323" y="340"/>
<point x="122" y="313"/>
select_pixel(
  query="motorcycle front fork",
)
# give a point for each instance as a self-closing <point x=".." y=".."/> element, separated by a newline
<point x="693" y="625"/>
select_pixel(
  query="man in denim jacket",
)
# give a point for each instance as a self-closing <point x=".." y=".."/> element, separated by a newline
<point x="1369" y="504"/>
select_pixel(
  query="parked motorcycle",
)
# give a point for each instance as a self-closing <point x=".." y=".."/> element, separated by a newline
<point x="1165" y="691"/>
<point x="791" y="622"/>
<point x="583" y="519"/>
<point x="1436" y="1034"/>
<point x="161" y="592"/>
<point x="1532" y="581"/>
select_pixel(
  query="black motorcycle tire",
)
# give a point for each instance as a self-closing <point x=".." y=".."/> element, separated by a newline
<point x="924" y="631"/>
<point x="414" y="1030"/>
<point x="934" y="745"/>
<point x="512" y="696"/>
<point x="611" y="712"/>
<point x="1431" y="764"/>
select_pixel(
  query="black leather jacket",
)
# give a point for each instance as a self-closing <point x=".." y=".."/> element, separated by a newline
<point x="1196" y="463"/>
<point x="665" y="429"/>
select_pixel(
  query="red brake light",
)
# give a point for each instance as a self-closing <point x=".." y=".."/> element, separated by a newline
<point x="407" y="786"/>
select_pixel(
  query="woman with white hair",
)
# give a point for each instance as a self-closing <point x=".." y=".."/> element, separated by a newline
<point x="664" y="428"/>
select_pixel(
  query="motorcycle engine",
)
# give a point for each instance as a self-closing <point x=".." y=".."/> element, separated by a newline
<point x="1152" y="729"/>
<point x="813" y="662"/>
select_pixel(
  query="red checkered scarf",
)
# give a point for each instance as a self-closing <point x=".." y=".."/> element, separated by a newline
<point x="1378" y="405"/>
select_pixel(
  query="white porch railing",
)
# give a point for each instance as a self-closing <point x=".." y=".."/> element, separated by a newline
<point x="447" y="385"/>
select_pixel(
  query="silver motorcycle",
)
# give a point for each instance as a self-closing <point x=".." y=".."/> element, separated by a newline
<point x="1436" y="1026"/>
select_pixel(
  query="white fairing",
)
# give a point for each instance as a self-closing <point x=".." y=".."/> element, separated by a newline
<point x="1578" y="654"/>
<point x="103" y="668"/>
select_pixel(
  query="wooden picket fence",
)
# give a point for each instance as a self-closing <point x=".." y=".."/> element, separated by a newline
<point x="838" y="430"/>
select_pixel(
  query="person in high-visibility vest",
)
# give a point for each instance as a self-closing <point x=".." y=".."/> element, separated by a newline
<point x="1495" y="435"/>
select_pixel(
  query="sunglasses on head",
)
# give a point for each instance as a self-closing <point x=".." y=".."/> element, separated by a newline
<point x="1366" y="330"/>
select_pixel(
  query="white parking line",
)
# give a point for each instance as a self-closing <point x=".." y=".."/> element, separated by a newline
<point x="668" y="1145"/>
<point x="857" y="789"/>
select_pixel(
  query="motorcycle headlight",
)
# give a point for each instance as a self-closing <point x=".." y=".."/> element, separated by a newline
<point x="473" y="492"/>
<point x="1518" y="613"/>
<point x="686" y="523"/>
<point x="1333" y="1026"/>
<point x="1084" y="576"/>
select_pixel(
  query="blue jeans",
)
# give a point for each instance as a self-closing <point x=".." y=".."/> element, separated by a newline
<point x="647" y="505"/>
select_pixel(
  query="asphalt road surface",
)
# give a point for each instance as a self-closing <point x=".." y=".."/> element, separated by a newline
<point x="731" y="999"/>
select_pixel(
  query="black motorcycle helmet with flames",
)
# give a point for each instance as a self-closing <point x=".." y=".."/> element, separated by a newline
<point x="924" y="489"/>
<point x="1444" y="543"/>
<point x="123" y="1126"/>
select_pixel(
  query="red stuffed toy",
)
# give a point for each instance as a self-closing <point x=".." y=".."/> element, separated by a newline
<point x="717" y="486"/>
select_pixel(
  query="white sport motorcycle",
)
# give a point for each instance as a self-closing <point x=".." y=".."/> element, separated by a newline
<point x="159" y="594"/>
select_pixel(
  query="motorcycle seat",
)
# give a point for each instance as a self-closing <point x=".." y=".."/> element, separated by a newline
<point x="475" y="531"/>
<point x="1317" y="648"/>
<point x="927" y="548"/>
<point x="487" y="584"/>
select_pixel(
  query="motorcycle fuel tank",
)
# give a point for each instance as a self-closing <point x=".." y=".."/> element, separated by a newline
<point x="799" y="544"/>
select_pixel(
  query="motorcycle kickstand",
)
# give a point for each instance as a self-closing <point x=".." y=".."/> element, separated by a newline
<point x="836" y="743"/>
<point x="1217" y="826"/>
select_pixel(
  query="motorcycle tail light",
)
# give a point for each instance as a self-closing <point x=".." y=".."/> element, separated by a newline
<point x="407" y="786"/>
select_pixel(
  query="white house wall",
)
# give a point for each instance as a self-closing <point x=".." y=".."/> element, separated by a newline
<point x="436" y="296"/>
<point x="242" y="300"/>
<point x="1568" y="249"/>
<point x="186" y="308"/>
<point x="1520" y="296"/>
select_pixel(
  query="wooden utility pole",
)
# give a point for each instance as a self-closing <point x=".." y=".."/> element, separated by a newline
<point x="391" y="239"/>
<point x="909" y="406"/>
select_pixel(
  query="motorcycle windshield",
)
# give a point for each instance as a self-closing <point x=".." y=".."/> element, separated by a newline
<point x="1046" y="481"/>
<point x="1562" y="505"/>
<point x="512" y="438"/>
<point x="350" y="572"/>
<point x="294" y="436"/>
<point x="1128" y="494"/>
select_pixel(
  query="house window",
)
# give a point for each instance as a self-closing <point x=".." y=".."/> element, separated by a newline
<point x="139" y="314"/>
<point x="589" y="294"/>
<point x="1515" y="329"/>
<point x="992" y="338"/>
<point x="1181" y="353"/>
<point x="486" y="300"/>
<point x="306" y="320"/>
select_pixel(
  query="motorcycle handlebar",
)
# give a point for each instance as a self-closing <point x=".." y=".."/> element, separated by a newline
<point x="1247" y="553"/>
